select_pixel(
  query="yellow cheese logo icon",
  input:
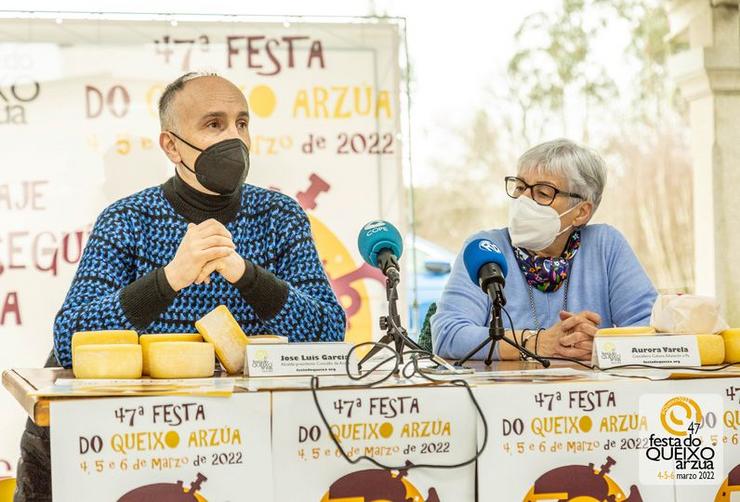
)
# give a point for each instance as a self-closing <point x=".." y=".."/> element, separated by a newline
<point x="678" y="414"/>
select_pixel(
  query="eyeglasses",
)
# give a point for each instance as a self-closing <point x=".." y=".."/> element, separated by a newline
<point x="542" y="193"/>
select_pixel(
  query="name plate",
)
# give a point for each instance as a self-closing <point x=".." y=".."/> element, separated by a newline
<point x="291" y="359"/>
<point x="654" y="350"/>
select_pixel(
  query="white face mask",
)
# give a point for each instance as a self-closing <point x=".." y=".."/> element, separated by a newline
<point x="533" y="226"/>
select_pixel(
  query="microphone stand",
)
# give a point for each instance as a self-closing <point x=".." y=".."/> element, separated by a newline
<point x="496" y="332"/>
<point x="391" y="324"/>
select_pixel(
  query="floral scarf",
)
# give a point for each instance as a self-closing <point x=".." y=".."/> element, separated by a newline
<point x="548" y="274"/>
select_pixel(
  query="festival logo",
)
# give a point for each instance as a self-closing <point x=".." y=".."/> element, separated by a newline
<point x="377" y="485"/>
<point x="580" y="483"/>
<point x="679" y="444"/>
<point x="260" y="361"/>
<point x="679" y="414"/>
<point x="608" y="352"/>
<point x="167" y="492"/>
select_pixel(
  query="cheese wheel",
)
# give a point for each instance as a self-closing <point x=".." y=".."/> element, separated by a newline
<point x="181" y="360"/>
<point x="731" y="338"/>
<point x="221" y="329"/>
<point x="711" y="349"/>
<point x="102" y="338"/>
<point x="147" y="340"/>
<point x="7" y="488"/>
<point x="115" y="360"/>
<point x="627" y="331"/>
<point x="266" y="339"/>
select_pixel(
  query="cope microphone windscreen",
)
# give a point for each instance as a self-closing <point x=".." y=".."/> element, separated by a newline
<point x="480" y="252"/>
<point x="376" y="236"/>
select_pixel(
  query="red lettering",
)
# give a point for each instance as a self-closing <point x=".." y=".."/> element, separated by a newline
<point x="36" y="195"/>
<point x="93" y="92"/>
<point x="275" y="62"/>
<point x="11" y="306"/>
<point x="230" y="49"/>
<point x="42" y="251"/>
<point x="255" y="44"/>
<point x="289" y="41"/>
<point x="111" y="100"/>
<point x="316" y="52"/>
<point x="14" y="251"/>
<point x="22" y="195"/>
<point x="45" y="251"/>
<point x="251" y="51"/>
<point x="65" y="247"/>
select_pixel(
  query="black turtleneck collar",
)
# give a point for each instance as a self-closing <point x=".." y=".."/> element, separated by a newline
<point x="197" y="206"/>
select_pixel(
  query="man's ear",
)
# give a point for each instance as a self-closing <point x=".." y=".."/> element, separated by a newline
<point x="583" y="213"/>
<point x="167" y="143"/>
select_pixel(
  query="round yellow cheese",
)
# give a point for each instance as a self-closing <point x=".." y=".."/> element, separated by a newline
<point x="627" y="331"/>
<point x="181" y="360"/>
<point x="731" y="338"/>
<point x="117" y="360"/>
<point x="103" y="338"/>
<point x="7" y="488"/>
<point x="147" y="340"/>
<point x="711" y="349"/>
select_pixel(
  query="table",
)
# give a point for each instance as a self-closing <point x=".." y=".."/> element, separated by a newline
<point x="581" y="433"/>
<point x="22" y="382"/>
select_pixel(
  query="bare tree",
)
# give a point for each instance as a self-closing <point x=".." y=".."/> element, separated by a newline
<point x="466" y="201"/>
<point x="641" y="131"/>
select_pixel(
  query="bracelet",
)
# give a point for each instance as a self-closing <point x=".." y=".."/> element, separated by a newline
<point x="525" y="339"/>
<point x="522" y="333"/>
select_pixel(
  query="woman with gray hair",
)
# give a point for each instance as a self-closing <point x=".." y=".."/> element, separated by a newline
<point x="566" y="278"/>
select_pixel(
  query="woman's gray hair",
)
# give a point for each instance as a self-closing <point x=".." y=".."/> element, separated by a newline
<point x="583" y="169"/>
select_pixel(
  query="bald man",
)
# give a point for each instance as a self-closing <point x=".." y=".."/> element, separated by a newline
<point x="162" y="258"/>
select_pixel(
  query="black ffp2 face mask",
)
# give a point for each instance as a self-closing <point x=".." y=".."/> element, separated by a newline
<point x="222" y="167"/>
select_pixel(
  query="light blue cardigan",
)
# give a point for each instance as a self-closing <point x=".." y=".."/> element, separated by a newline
<point x="605" y="278"/>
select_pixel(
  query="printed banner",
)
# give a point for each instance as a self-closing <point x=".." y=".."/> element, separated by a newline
<point x="680" y="443"/>
<point x="79" y="129"/>
<point x="569" y="440"/>
<point x="396" y="427"/>
<point x="162" y="448"/>
<point x="719" y="429"/>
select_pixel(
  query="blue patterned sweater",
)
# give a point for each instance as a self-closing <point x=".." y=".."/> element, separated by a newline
<point x="120" y="284"/>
